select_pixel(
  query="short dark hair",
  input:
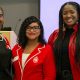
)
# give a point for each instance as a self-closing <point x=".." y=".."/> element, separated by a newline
<point x="22" y="39"/>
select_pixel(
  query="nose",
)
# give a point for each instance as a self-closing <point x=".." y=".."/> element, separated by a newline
<point x="68" y="15"/>
<point x="32" y="30"/>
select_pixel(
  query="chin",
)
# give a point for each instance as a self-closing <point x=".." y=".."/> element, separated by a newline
<point x="32" y="38"/>
<point x="69" y="24"/>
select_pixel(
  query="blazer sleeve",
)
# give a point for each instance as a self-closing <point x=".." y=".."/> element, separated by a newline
<point x="53" y="37"/>
<point x="49" y="68"/>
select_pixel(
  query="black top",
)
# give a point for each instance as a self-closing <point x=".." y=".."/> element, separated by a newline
<point x="66" y="73"/>
<point x="65" y="63"/>
<point x="5" y="62"/>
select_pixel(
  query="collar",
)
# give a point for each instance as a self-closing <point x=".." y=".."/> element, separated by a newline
<point x="75" y="28"/>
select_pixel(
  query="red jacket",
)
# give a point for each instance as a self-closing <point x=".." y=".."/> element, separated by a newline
<point x="75" y="69"/>
<point x="38" y="66"/>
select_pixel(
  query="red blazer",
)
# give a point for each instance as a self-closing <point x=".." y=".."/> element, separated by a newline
<point x="38" y="66"/>
<point x="75" y="69"/>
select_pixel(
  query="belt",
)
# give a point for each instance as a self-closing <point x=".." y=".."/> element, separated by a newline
<point x="66" y="73"/>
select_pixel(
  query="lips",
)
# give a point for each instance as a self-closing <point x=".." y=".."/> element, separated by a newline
<point x="70" y="20"/>
<point x="31" y="33"/>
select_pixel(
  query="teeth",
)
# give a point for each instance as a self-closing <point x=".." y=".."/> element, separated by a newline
<point x="69" y="20"/>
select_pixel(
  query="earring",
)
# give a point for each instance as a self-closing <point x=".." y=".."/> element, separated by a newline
<point x="64" y="27"/>
<point x="77" y="22"/>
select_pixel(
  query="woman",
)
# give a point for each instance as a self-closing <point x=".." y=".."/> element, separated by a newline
<point x="5" y="59"/>
<point x="66" y="42"/>
<point x="5" y="53"/>
<point x="32" y="57"/>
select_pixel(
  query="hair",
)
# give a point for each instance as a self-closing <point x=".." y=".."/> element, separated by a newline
<point x="3" y="15"/>
<point x="22" y="38"/>
<point x="58" y="41"/>
<point x="6" y="29"/>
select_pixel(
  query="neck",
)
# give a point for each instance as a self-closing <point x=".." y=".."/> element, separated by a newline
<point x="70" y="26"/>
<point x="31" y="46"/>
<point x="32" y="42"/>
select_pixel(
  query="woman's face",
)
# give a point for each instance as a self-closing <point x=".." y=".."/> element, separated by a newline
<point x="70" y="15"/>
<point x="1" y="18"/>
<point x="33" y="31"/>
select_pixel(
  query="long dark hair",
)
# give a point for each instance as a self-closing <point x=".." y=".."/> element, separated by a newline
<point x="22" y="39"/>
<point x="58" y="41"/>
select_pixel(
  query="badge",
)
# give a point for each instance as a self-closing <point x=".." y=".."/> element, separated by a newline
<point x="35" y="59"/>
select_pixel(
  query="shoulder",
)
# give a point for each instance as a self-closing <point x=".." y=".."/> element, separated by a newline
<point x="47" y="51"/>
<point x="47" y="48"/>
<point x="53" y="36"/>
<point x="17" y="46"/>
<point x="15" y="49"/>
<point x="7" y="42"/>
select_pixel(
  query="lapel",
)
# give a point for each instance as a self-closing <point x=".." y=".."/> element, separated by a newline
<point x="73" y="41"/>
<point x="35" y="52"/>
<point x="19" y="54"/>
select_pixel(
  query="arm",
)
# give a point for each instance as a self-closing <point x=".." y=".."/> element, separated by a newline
<point x="53" y="37"/>
<point x="49" y="68"/>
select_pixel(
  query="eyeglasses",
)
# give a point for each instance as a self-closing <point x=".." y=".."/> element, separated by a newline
<point x="34" y="28"/>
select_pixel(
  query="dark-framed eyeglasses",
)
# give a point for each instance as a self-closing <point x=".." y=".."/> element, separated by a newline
<point x="35" y="28"/>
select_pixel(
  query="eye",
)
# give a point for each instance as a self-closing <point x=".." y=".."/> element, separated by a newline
<point x="36" y="27"/>
<point x="28" y="28"/>
<point x="72" y="12"/>
<point x="64" y="13"/>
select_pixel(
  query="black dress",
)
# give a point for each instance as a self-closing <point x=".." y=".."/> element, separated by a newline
<point x="5" y="62"/>
<point x="65" y="73"/>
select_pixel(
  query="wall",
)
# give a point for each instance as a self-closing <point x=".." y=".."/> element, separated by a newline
<point x="15" y="11"/>
<point x="49" y="14"/>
